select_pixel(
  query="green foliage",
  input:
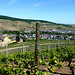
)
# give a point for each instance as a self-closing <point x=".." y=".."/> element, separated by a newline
<point x="65" y="37"/>
<point x="11" y="32"/>
<point x="73" y="66"/>
<point x="16" y="63"/>
<point x="24" y="39"/>
<point x="13" y="43"/>
<point x="59" y="66"/>
<point x="14" y="25"/>
<point x="53" y="61"/>
<point x="3" y="59"/>
<point x="47" y="73"/>
<point x="39" y="73"/>
<point x="59" y="28"/>
<point x="10" y="38"/>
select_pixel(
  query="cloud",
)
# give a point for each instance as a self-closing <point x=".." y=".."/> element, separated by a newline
<point x="37" y="4"/>
<point x="11" y="2"/>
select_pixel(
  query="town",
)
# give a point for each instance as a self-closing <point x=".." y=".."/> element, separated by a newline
<point x="8" y="37"/>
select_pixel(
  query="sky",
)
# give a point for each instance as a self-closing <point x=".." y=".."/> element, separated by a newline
<point x="58" y="11"/>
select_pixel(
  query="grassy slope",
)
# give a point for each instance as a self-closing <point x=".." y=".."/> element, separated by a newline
<point x="29" y="24"/>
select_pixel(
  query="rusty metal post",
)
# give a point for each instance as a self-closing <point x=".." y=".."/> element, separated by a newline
<point x="37" y="43"/>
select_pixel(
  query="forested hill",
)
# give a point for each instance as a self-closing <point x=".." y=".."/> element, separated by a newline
<point x="10" y="23"/>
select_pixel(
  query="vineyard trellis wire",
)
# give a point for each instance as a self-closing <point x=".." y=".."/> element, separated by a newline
<point x="32" y="47"/>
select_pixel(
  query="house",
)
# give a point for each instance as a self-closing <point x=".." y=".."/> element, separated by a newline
<point x="44" y="36"/>
<point x="4" y="40"/>
<point x="29" y="36"/>
<point x="14" y="36"/>
<point x="34" y="36"/>
<point x="25" y="35"/>
<point x="13" y="40"/>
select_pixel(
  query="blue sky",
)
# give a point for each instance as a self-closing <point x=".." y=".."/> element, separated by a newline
<point x="59" y="11"/>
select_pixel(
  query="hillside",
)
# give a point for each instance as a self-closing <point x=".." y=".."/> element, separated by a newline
<point x="9" y="23"/>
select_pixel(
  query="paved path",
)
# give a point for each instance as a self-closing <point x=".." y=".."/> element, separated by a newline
<point x="13" y="48"/>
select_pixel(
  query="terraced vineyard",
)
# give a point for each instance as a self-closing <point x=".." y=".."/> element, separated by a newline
<point x="55" y="61"/>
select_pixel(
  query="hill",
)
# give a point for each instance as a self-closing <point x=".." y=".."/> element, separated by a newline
<point x="10" y="23"/>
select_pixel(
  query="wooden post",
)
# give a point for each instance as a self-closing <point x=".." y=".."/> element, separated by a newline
<point x="6" y="51"/>
<point x="23" y="48"/>
<point x="37" y="43"/>
<point x="74" y="40"/>
<point x="48" y="46"/>
<point x="58" y="43"/>
<point x="69" y="42"/>
<point x="55" y="46"/>
<point x="61" y="43"/>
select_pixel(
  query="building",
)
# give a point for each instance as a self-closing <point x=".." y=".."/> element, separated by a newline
<point x="4" y="40"/>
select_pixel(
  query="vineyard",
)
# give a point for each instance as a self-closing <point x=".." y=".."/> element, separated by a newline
<point x="55" y="61"/>
<point x="43" y="58"/>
